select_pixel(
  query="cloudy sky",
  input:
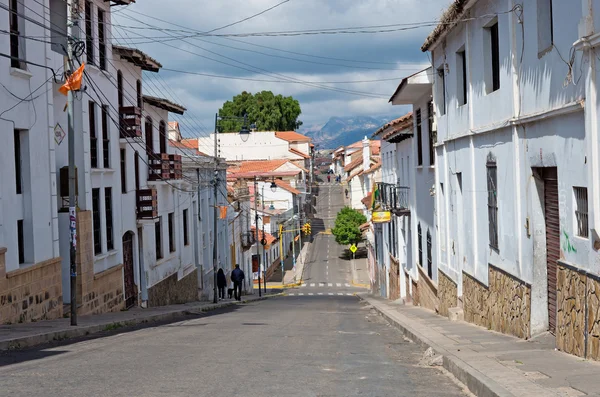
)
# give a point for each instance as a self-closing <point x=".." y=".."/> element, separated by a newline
<point x="314" y="69"/>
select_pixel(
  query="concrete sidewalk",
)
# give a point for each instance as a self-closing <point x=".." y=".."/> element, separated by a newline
<point x="18" y="336"/>
<point x="493" y="364"/>
<point x="360" y="273"/>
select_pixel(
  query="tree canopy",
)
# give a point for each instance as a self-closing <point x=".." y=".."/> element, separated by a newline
<point x="347" y="226"/>
<point x="268" y="111"/>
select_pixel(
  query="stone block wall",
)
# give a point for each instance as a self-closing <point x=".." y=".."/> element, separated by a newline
<point x="504" y="306"/>
<point x="96" y="292"/>
<point x="30" y="294"/>
<point x="578" y="312"/>
<point x="428" y="292"/>
<point x="171" y="291"/>
<point x="447" y="293"/>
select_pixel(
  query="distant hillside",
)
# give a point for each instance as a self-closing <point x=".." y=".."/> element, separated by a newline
<point x="343" y="131"/>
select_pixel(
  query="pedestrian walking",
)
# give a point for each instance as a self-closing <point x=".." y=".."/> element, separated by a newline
<point x="328" y="178"/>
<point x="221" y="283"/>
<point x="237" y="276"/>
<point x="346" y="191"/>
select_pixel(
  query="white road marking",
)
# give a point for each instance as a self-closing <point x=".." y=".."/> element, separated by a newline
<point x="340" y="293"/>
<point x="321" y="284"/>
<point x="312" y="284"/>
<point x="330" y="285"/>
<point x="347" y="285"/>
<point x="301" y="293"/>
<point x="303" y="285"/>
<point x="349" y="294"/>
<point x="338" y="284"/>
<point x="310" y="293"/>
<point x="331" y="293"/>
<point x="320" y="293"/>
<point x="292" y="294"/>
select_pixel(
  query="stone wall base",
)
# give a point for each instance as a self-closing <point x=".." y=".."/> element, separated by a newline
<point x="504" y="306"/>
<point x="171" y="291"/>
<point x="96" y="292"/>
<point x="30" y="294"/>
<point x="427" y="291"/>
<point x="447" y="293"/>
<point x="578" y="312"/>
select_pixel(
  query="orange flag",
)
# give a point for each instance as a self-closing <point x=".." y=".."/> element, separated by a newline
<point x="73" y="81"/>
<point x="223" y="212"/>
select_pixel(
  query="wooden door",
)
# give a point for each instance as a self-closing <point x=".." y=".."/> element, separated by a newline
<point x="394" y="279"/>
<point x="130" y="287"/>
<point x="552" y="219"/>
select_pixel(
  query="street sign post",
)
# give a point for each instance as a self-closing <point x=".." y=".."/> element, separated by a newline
<point x="353" y="249"/>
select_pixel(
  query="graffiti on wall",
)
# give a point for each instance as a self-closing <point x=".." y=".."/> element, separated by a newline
<point x="566" y="245"/>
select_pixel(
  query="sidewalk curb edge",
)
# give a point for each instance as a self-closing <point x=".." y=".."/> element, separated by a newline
<point x="43" y="338"/>
<point x="477" y="382"/>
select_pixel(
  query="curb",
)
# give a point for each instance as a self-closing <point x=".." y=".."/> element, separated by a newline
<point x="360" y="285"/>
<point x="81" y="331"/>
<point x="477" y="382"/>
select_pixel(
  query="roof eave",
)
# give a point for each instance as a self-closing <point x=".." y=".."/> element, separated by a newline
<point x="164" y="104"/>
<point x="414" y="87"/>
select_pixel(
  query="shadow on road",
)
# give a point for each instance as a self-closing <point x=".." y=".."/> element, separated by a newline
<point x="361" y="253"/>
<point x="11" y="357"/>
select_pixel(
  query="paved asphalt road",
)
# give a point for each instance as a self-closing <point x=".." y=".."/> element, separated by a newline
<point x="309" y="345"/>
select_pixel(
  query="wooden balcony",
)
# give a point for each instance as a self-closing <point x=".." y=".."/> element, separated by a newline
<point x="130" y="120"/>
<point x="164" y="166"/>
<point x="394" y="198"/>
<point x="147" y="203"/>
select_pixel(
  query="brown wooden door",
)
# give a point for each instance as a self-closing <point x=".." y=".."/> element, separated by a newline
<point x="394" y="279"/>
<point x="130" y="288"/>
<point x="552" y="218"/>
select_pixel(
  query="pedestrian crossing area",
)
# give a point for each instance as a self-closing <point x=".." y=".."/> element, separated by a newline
<point x="317" y="285"/>
<point x="320" y="294"/>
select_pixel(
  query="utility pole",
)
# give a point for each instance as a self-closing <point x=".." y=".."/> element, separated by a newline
<point x="72" y="23"/>
<point x="256" y="228"/>
<point x="215" y="213"/>
<point x="263" y="231"/>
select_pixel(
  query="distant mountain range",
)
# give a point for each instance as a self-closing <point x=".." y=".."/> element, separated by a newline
<point x="343" y="131"/>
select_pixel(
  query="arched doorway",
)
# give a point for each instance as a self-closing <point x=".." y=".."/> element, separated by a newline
<point x="130" y="287"/>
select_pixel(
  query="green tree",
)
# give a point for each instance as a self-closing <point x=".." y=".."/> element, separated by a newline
<point x="268" y="111"/>
<point x="347" y="226"/>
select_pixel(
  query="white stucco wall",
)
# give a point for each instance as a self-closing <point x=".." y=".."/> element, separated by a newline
<point x="262" y="145"/>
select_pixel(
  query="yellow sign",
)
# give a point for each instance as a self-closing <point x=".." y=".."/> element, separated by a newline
<point x="382" y="216"/>
<point x="353" y="248"/>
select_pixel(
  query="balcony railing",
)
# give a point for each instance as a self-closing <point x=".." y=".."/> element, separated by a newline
<point x="163" y="166"/>
<point x="394" y="198"/>
<point x="147" y="203"/>
<point x="130" y="120"/>
<point x="248" y="239"/>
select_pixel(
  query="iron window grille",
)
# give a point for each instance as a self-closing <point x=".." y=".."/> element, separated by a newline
<point x="581" y="212"/>
<point x="419" y="139"/>
<point x="420" y="242"/>
<point x="429" y="256"/>
<point x="492" y="183"/>
<point x="109" y="218"/>
<point x="96" y="221"/>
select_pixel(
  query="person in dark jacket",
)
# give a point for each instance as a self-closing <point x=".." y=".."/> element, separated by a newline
<point x="237" y="276"/>
<point x="221" y="283"/>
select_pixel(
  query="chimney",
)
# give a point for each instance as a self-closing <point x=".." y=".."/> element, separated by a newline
<point x="366" y="154"/>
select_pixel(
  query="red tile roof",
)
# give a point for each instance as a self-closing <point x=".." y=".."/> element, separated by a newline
<point x="299" y="153"/>
<point x="291" y="136"/>
<point x="190" y="144"/>
<point x="269" y="237"/>
<point x="286" y="186"/>
<point x="374" y="167"/>
<point x="257" y="166"/>
<point x="353" y="164"/>
<point x="367" y="200"/>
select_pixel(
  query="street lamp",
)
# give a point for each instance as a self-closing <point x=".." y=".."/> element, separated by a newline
<point x="273" y="186"/>
<point x="244" y="134"/>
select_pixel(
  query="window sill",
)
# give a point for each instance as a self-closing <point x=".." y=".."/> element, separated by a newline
<point x="163" y="260"/>
<point x="419" y="167"/>
<point x="105" y="255"/>
<point x="22" y="73"/>
<point x="103" y="170"/>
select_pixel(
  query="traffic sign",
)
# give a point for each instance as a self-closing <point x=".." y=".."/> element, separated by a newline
<point x="353" y="248"/>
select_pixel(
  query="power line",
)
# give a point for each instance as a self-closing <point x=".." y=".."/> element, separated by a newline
<point x="248" y="18"/>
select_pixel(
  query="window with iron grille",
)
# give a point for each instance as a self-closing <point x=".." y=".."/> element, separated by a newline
<point x="186" y="239"/>
<point x="101" y="40"/>
<point x="109" y="218"/>
<point x="149" y="137"/>
<point x="162" y="131"/>
<point x="120" y="88"/>
<point x="18" y="166"/>
<point x="89" y="35"/>
<point x="123" y="171"/>
<point x="158" y="238"/>
<point x="140" y="102"/>
<point x="442" y="90"/>
<point x="420" y="242"/>
<point x="93" y="136"/>
<point x="492" y="188"/>
<point x="432" y="132"/>
<point x="419" y="139"/>
<point x="21" y="241"/>
<point x="429" y="256"/>
<point x="581" y="211"/>
<point x="136" y="169"/>
<point x="105" y="137"/>
<point x="16" y="52"/>
<point x="171" y="232"/>
<point x="96" y="221"/>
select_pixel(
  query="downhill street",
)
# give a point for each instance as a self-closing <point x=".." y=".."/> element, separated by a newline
<point x="320" y="341"/>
